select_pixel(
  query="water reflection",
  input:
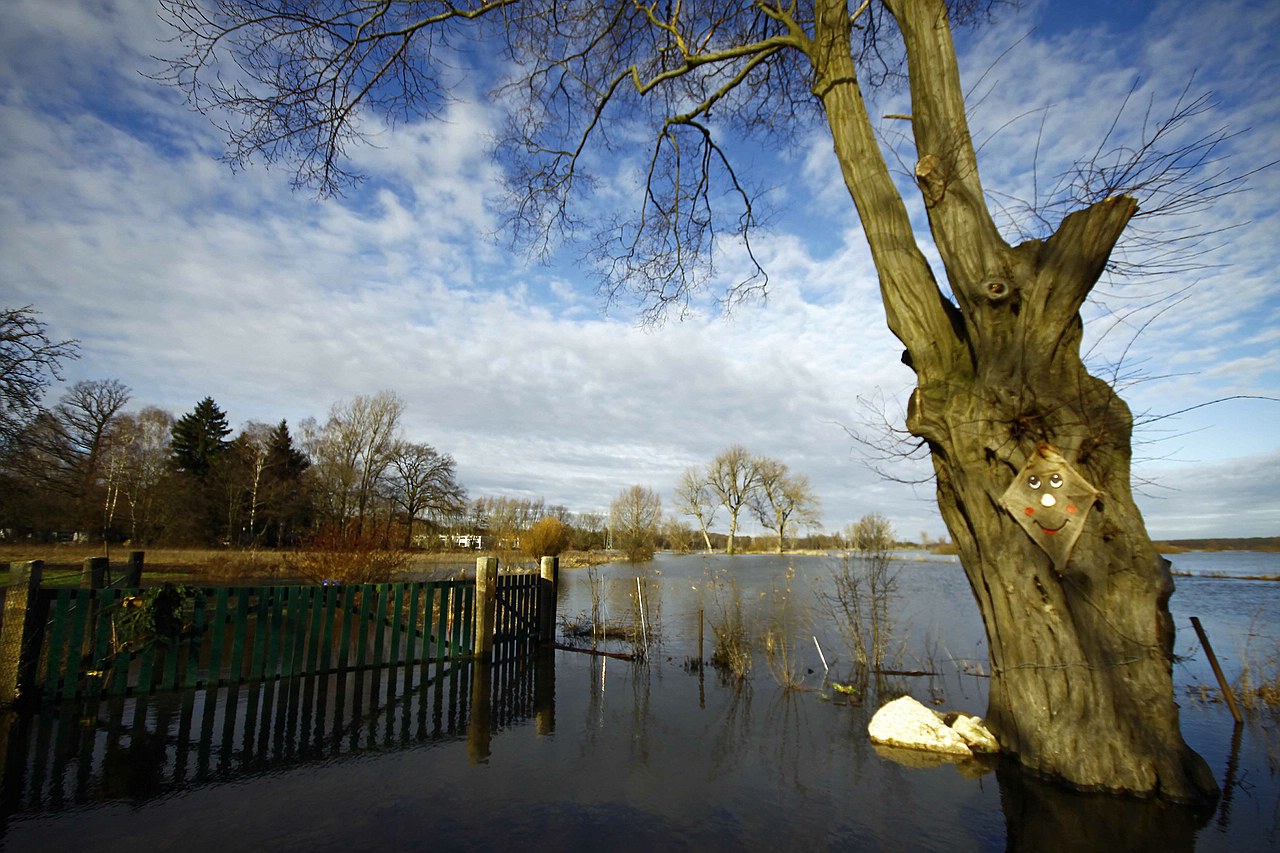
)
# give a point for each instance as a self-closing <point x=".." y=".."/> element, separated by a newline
<point x="1040" y="816"/>
<point x="140" y="749"/>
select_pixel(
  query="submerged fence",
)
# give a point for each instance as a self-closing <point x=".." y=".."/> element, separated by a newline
<point x="58" y="644"/>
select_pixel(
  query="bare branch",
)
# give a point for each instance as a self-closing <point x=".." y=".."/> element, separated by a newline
<point x="288" y="82"/>
<point x="29" y="361"/>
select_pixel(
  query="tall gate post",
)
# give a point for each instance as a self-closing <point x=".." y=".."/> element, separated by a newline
<point x="486" y="605"/>
<point x="548" y="586"/>
<point x="94" y="573"/>
<point x="133" y="574"/>
<point x="19" y="646"/>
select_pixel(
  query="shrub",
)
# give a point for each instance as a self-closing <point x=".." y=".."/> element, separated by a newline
<point x="347" y="554"/>
<point x="548" y="538"/>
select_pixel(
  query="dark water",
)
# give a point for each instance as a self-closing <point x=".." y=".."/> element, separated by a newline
<point x="580" y="752"/>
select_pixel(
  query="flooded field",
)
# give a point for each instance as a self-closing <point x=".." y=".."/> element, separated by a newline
<point x="581" y="751"/>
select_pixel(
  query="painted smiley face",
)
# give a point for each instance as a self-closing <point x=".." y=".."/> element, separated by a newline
<point x="1051" y="501"/>
<point x="1052" y="511"/>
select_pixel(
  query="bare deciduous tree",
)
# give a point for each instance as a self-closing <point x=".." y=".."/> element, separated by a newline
<point x="783" y="500"/>
<point x="69" y="446"/>
<point x="145" y="443"/>
<point x="634" y="519"/>
<point x="351" y="453"/>
<point x="733" y="478"/>
<point x="694" y="497"/>
<point x="423" y="484"/>
<point x="505" y="518"/>
<point x="1081" y="647"/>
<point x="864" y="588"/>
<point x="29" y="361"/>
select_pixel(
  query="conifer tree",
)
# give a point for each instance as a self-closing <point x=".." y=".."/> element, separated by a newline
<point x="199" y="438"/>
<point x="287" y="500"/>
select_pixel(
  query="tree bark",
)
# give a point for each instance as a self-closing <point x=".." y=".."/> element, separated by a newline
<point x="1081" y="651"/>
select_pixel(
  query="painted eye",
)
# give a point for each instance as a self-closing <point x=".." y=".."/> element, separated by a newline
<point x="1055" y="480"/>
<point x="1033" y="481"/>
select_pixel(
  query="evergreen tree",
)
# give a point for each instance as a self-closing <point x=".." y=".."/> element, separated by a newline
<point x="199" y="438"/>
<point x="287" y="501"/>
<point x="284" y="461"/>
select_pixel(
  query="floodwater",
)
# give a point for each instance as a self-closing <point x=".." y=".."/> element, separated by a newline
<point x="580" y="751"/>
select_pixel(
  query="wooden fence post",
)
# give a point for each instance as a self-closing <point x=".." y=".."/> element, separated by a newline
<point x="19" y="646"/>
<point x="486" y="605"/>
<point x="133" y="574"/>
<point x="548" y="586"/>
<point x="94" y="573"/>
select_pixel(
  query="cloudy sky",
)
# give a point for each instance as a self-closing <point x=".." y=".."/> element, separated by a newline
<point x="183" y="279"/>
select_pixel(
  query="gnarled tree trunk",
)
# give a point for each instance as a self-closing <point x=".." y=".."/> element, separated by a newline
<point x="1081" y="648"/>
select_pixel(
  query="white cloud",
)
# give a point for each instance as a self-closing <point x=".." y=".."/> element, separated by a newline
<point x="184" y="280"/>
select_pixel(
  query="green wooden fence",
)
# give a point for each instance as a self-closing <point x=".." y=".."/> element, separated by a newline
<point x="65" y="643"/>
<point x="230" y="635"/>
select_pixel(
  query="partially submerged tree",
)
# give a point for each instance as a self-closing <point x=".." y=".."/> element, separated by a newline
<point x="863" y="592"/>
<point x="733" y="478"/>
<point x="1080" y="637"/>
<point x="634" y="518"/>
<point x="784" y="500"/>
<point x="694" y="497"/>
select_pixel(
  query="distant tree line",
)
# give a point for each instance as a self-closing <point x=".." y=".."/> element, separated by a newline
<point x="92" y="469"/>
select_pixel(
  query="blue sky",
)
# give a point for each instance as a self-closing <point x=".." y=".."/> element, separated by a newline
<point x="183" y="279"/>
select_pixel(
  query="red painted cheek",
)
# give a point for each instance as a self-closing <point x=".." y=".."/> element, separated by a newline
<point x="1029" y="511"/>
<point x="1071" y="507"/>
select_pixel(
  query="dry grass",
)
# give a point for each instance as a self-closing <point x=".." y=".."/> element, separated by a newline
<point x="1257" y="688"/>
<point x="189" y="561"/>
<point x="731" y="637"/>
<point x="224" y="565"/>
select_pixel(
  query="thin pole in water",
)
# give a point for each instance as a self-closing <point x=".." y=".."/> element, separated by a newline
<point x="1217" y="670"/>
<point x="644" y="631"/>
<point x="825" y="668"/>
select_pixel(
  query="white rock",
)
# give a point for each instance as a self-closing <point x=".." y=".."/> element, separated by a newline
<point x="905" y="722"/>
<point x="975" y="733"/>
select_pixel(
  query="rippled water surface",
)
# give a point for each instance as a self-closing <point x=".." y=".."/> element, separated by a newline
<point x="584" y="752"/>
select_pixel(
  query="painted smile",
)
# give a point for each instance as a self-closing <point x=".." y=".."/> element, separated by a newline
<point x="1050" y="531"/>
